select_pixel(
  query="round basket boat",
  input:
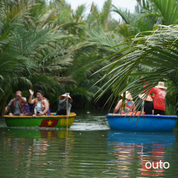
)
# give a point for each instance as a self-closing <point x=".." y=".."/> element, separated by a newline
<point x="58" y="121"/>
<point x="153" y="123"/>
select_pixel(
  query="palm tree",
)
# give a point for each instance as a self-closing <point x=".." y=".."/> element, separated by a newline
<point x="30" y="55"/>
<point x="45" y="47"/>
<point x="97" y="20"/>
<point x="147" y="55"/>
<point x="133" y="23"/>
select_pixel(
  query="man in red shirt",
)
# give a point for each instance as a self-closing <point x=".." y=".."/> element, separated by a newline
<point x="159" y="98"/>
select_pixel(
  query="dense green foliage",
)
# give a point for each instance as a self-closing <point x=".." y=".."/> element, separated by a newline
<point x="148" y="57"/>
<point x="50" y="47"/>
<point x="53" y="48"/>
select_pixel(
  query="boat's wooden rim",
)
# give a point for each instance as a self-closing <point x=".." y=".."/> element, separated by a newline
<point x="142" y="115"/>
<point x="72" y="114"/>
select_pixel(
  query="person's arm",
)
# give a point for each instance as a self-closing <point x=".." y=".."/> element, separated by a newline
<point x="30" y="100"/>
<point x="69" y="108"/>
<point x="62" y="101"/>
<point x="152" y="91"/>
<point x="118" y="106"/>
<point x="153" y="109"/>
<point x="24" y="100"/>
<point x="7" y="107"/>
<point x="46" y="108"/>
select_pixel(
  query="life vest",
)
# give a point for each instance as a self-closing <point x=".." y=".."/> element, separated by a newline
<point x="24" y="107"/>
<point x="134" y="113"/>
<point x="42" y="105"/>
<point x="127" y="107"/>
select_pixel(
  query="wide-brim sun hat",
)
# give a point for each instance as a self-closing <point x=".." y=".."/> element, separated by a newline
<point x="161" y="85"/>
<point x="127" y="95"/>
<point x="61" y="97"/>
<point x="144" y="97"/>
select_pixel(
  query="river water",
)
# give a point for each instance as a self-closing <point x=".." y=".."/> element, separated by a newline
<point x="88" y="149"/>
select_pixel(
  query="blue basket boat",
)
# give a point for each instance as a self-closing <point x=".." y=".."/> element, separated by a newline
<point x="148" y="123"/>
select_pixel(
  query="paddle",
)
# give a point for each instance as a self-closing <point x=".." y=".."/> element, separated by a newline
<point x="67" y="94"/>
<point x="67" y="110"/>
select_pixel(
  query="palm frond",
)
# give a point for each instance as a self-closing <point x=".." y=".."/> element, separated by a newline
<point x="168" y="10"/>
<point x="157" y="50"/>
<point x="124" y="14"/>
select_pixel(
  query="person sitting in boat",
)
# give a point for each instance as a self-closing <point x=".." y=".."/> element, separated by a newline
<point x="159" y="98"/>
<point x="64" y="103"/>
<point x="129" y="105"/>
<point x="40" y="103"/>
<point x="19" y="106"/>
<point x="147" y="104"/>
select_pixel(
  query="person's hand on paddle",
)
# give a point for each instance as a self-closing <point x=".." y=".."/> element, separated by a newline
<point x="31" y="92"/>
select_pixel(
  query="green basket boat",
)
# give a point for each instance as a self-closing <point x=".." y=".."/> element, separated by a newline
<point x="56" y="121"/>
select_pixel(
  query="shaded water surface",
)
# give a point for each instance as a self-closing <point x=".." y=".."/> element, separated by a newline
<point x="87" y="149"/>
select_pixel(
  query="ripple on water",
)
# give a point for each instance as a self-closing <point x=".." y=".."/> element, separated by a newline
<point x="90" y="123"/>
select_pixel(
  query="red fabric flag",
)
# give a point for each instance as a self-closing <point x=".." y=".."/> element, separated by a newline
<point x="49" y="122"/>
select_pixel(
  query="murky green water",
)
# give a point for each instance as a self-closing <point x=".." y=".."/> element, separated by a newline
<point x="88" y="149"/>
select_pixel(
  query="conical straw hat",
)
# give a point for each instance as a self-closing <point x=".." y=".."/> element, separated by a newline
<point x="161" y="85"/>
<point x="127" y="95"/>
<point x="61" y="97"/>
<point x="144" y="97"/>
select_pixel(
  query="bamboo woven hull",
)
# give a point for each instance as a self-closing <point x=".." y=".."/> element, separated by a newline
<point x="58" y="121"/>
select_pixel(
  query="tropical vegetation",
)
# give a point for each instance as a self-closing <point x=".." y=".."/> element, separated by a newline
<point x="148" y="57"/>
<point x="92" y="56"/>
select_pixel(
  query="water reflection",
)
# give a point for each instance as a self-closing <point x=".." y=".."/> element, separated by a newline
<point x="34" y="149"/>
<point x="88" y="149"/>
<point x="134" y="149"/>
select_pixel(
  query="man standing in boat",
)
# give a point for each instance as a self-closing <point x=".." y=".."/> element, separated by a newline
<point x="40" y="103"/>
<point x="64" y="103"/>
<point x="19" y="106"/>
<point x="159" y="98"/>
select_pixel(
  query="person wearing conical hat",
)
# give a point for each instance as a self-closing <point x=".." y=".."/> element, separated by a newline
<point x="148" y="103"/>
<point x="159" y="98"/>
<point x="129" y="104"/>
<point x="63" y="104"/>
